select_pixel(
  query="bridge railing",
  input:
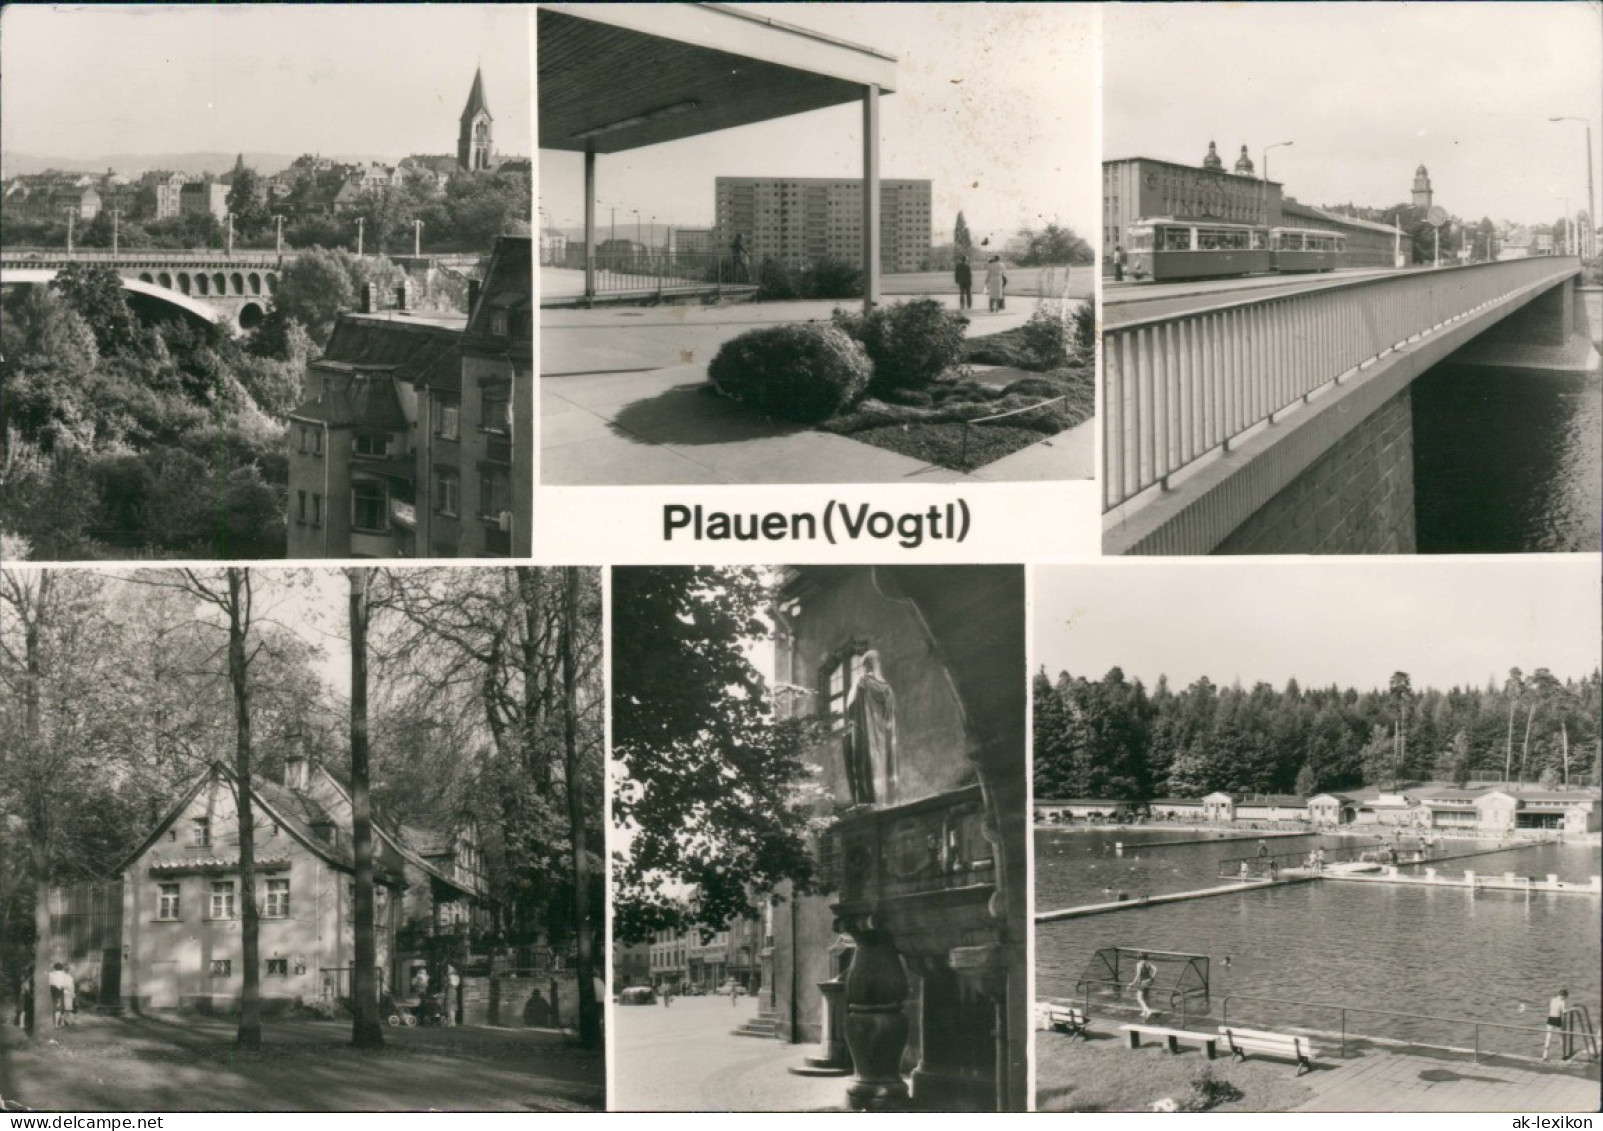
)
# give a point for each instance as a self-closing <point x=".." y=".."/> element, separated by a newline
<point x="21" y="255"/>
<point x="1178" y="387"/>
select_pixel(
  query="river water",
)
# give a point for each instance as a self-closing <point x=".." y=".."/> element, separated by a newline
<point x="1445" y="952"/>
<point x="1507" y="461"/>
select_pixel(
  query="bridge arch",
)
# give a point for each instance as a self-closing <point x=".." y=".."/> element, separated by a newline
<point x="237" y="281"/>
<point x="272" y="283"/>
<point x="220" y="281"/>
<point x="203" y="283"/>
<point x="251" y="315"/>
<point x="164" y="280"/>
<point x="184" y="282"/>
<point x="255" y="281"/>
<point x="145" y="277"/>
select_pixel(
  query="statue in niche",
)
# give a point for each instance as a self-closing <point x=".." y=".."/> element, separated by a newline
<point x="871" y="739"/>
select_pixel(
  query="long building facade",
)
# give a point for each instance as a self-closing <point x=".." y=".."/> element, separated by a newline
<point x="801" y="220"/>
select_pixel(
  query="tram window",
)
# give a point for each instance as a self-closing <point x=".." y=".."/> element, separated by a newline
<point x="1176" y="239"/>
<point x="1223" y="239"/>
<point x="1140" y="239"/>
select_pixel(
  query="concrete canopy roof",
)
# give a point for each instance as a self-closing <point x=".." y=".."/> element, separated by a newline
<point x="614" y="77"/>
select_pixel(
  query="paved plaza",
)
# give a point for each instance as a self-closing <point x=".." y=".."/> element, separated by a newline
<point x="1387" y="1079"/>
<point x="684" y="1057"/>
<point x="625" y="401"/>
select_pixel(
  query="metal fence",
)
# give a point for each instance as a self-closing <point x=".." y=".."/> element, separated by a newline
<point x="1178" y="387"/>
<point x="1348" y="1023"/>
<point x="656" y="271"/>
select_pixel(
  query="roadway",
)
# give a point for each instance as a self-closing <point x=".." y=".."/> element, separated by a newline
<point x="1128" y="302"/>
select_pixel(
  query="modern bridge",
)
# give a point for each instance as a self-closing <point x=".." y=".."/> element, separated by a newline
<point x="1277" y="418"/>
<point x="230" y="289"/>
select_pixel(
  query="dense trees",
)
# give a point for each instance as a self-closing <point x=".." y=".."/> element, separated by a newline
<point x="1112" y="739"/>
<point x="1054" y="245"/>
<point x="712" y="808"/>
<point x="486" y="705"/>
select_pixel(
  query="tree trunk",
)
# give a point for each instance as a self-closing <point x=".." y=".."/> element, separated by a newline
<point x="589" y="1007"/>
<point x="366" y="1029"/>
<point x="250" y="1003"/>
<point x="39" y="804"/>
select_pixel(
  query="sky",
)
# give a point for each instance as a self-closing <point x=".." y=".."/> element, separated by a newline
<point x="995" y="104"/>
<point x="1352" y="622"/>
<point x="385" y="81"/>
<point x="1367" y="92"/>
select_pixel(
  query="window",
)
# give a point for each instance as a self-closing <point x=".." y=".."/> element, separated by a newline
<point x="200" y="832"/>
<point x="450" y="417"/>
<point x="496" y="406"/>
<point x="302" y="431"/>
<point x="371" y="444"/>
<point x="278" y="967"/>
<point x="495" y="493"/>
<point x="837" y="678"/>
<point x="369" y="506"/>
<point x="317" y="440"/>
<point x="222" y="899"/>
<point x="277" y="900"/>
<point x="300" y="507"/>
<point x="167" y="906"/>
<point x="317" y="509"/>
<point x="222" y="968"/>
<point x="498" y="323"/>
<point x="447" y="487"/>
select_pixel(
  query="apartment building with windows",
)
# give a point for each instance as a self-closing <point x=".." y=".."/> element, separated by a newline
<point x="416" y="438"/>
<point x="800" y="220"/>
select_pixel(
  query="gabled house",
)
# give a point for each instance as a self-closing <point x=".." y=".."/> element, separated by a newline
<point x="182" y="903"/>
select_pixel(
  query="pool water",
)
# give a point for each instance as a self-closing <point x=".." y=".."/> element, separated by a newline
<point x="1444" y="952"/>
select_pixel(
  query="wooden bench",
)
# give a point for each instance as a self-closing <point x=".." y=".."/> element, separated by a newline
<point x="1063" y="1018"/>
<point x="1172" y="1037"/>
<point x="1286" y="1046"/>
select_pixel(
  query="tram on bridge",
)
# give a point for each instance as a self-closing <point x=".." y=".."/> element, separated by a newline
<point x="1165" y="249"/>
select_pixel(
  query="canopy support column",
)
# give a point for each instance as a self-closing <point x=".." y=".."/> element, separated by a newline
<point x="871" y="210"/>
<point x="589" y="226"/>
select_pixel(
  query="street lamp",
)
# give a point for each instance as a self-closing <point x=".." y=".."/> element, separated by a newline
<point x="116" y="215"/>
<point x="1591" y="216"/>
<point x="228" y="218"/>
<point x="360" y="221"/>
<point x="278" y="237"/>
<point x="1266" y="149"/>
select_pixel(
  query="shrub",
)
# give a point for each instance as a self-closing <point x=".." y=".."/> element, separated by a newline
<point x="910" y="343"/>
<point x="1084" y="337"/>
<point x="833" y="278"/>
<point x="1209" y="1091"/>
<point x="776" y="281"/>
<point x="1046" y="336"/>
<point x="806" y="373"/>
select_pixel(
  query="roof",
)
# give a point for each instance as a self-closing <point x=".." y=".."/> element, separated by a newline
<point x="372" y="405"/>
<point x="294" y="812"/>
<point x="1285" y="800"/>
<point x="411" y="345"/>
<point x="614" y="77"/>
<point x="1176" y="801"/>
<point x="507" y="284"/>
<point x="1308" y="212"/>
<point x="1192" y="165"/>
<point x="477" y="103"/>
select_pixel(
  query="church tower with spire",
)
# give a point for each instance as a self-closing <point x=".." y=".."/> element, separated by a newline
<point x="474" y="144"/>
<point x="1213" y="161"/>
<point x="1244" y="164"/>
<point x="1422" y="191"/>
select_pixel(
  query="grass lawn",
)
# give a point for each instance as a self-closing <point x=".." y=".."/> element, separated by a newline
<point x="175" y="1063"/>
<point x="1102" y="1074"/>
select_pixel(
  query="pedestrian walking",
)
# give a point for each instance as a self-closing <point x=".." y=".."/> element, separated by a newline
<point x="1118" y="263"/>
<point x="69" y="1001"/>
<point x="734" y="994"/>
<point x="964" y="275"/>
<point x="1557" y="1006"/>
<point x="453" y="995"/>
<point x="1145" y="975"/>
<point x="58" y="979"/>
<point x="996" y="284"/>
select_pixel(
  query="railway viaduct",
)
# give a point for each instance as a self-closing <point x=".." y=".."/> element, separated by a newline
<point x="1283" y="423"/>
<point x="234" y="290"/>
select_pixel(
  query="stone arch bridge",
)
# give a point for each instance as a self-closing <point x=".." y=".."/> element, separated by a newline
<point x="231" y="290"/>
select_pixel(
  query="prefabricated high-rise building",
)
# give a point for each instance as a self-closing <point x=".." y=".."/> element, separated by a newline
<point x="801" y="220"/>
